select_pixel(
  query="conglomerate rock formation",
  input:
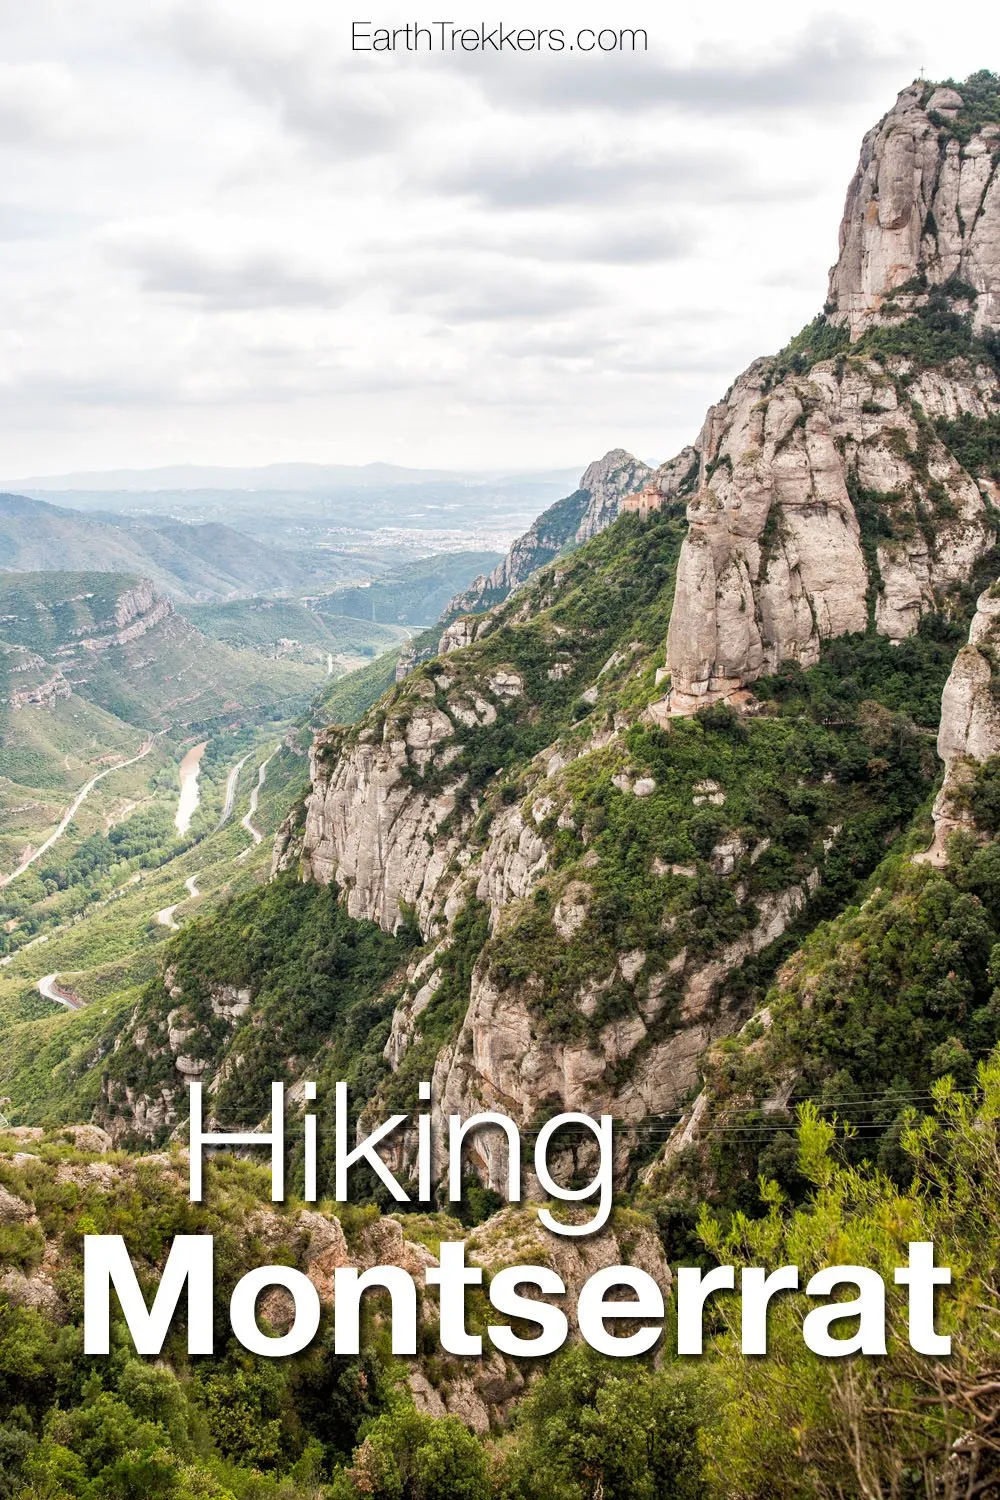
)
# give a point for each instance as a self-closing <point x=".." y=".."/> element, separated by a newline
<point x="777" y="559"/>
<point x="969" y="732"/>
<point x="539" y="804"/>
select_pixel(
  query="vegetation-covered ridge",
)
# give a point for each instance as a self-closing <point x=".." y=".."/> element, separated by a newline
<point x="732" y="814"/>
<point x="928" y="326"/>
<point x="864" y="1019"/>
<point x="555" y="634"/>
<point x="320" y="1426"/>
<point x="316" y="980"/>
<point x="980" y="94"/>
<point x="668" y="841"/>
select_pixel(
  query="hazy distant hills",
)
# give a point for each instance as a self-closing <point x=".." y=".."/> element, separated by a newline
<point x="289" y="476"/>
<point x="415" y="594"/>
<point x="189" y="563"/>
<point x="377" y="513"/>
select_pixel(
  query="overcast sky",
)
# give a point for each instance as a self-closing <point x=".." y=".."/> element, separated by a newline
<point x="227" y="238"/>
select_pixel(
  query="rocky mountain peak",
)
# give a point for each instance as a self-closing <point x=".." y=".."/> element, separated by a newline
<point x="606" y="482"/>
<point x="592" y="507"/>
<point x="598" y="473"/>
<point x="847" y="484"/>
<point x="923" y="208"/>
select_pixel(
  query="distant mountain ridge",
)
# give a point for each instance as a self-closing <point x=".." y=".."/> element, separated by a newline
<point x="190" y="563"/>
<point x="573" y="520"/>
<point x="295" y="476"/>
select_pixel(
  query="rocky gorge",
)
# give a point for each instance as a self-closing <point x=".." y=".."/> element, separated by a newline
<point x="549" y="806"/>
<point x="781" y="554"/>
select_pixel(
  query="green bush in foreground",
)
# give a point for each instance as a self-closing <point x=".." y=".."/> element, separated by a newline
<point x="791" y="1426"/>
<point x="795" y="1426"/>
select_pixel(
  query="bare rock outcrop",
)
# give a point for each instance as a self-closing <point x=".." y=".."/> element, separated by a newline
<point x="514" y="857"/>
<point x="43" y="694"/>
<point x="923" y="205"/>
<point x="969" y="732"/>
<point x="633" y="1066"/>
<point x="591" y="508"/>
<point x="286" y="850"/>
<point x="13" y="1210"/>
<point x="775" y="561"/>
<point x="370" y="828"/>
<point x="461" y="632"/>
<point x="177" y="1045"/>
<point x="607" y="482"/>
<point x="137" y="610"/>
<point x="792" y="464"/>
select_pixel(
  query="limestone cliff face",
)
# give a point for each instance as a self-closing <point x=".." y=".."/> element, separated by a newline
<point x="591" y="508"/>
<point x="178" y="1043"/>
<point x="970" y="711"/>
<point x="923" y="203"/>
<point x="775" y="561"/>
<point x="37" y="683"/>
<point x="645" y="1057"/>
<point x="388" y="822"/>
<point x="825" y="495"/>
<point x="137" y="610"/>
<point x="969" y="731"/>
<point x="634" y="1067"/>
<point x="44" y="692"/>
<point x="606" y="482"/>
<point x="368" y="827"/>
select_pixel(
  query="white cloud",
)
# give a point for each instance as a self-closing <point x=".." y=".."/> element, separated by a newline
<point x="300" y="79"/>
<point x="42" y="105"/>
<point x="224" y="238"/>
<point x="243" y="280"/>
<point x="816" y="63"/>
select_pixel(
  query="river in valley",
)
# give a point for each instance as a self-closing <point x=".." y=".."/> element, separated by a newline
<point x="187" y="802"/>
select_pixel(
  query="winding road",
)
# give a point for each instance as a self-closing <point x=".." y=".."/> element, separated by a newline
<point x="49" y="990"/>
<point x="231" y="780"/>
<point x="70" y="813"/>
<point x="165" y="916"/>
<point x="47" y="986"/>
<point x="247" y="822"/>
